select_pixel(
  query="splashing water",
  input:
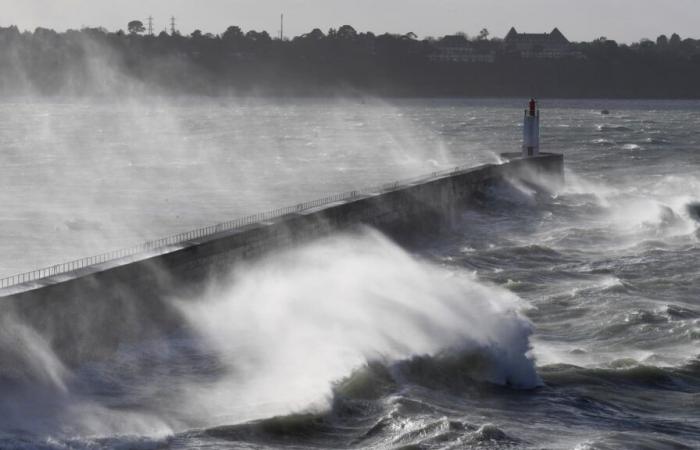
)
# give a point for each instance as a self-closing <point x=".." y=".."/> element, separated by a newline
<point x="364" y="344"/>
<point x="292" y="324"/>
<point x="274" y="340"/>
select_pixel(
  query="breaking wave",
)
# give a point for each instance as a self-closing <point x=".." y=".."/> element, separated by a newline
<point x="349" y="316"/>
<point x="612" y="128"/>
<point x="293" y="324"/>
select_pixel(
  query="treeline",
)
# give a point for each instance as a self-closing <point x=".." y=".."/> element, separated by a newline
<point x="339" y="62"/>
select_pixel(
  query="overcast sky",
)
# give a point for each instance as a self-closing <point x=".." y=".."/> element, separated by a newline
<point x="623" y="20"/>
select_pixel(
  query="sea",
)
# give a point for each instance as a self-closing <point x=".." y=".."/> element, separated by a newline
<point x="561" y="319"/>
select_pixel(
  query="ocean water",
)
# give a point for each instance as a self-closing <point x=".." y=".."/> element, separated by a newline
<point x="568" y="320"/>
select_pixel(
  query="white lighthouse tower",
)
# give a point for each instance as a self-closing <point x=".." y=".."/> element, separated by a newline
<point x="531" y="130"/>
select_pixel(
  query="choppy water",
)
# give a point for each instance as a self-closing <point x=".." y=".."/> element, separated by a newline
<point x="563" y="321"/>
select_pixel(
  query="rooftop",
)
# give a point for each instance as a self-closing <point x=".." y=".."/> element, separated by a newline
<point x="555" y="37"/>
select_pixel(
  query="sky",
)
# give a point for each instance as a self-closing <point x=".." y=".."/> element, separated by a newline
<point x="622" y="20"/>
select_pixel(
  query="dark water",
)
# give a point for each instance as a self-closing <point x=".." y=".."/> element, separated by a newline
<point x="569" y="320"/>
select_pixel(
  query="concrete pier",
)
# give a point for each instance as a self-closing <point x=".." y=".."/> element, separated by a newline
<point x="114" y="301"/>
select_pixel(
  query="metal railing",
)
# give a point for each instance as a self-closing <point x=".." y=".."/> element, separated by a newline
<point x="199" y="233"/>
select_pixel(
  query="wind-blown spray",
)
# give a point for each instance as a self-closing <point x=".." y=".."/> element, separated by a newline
<point x="289" y="326"/>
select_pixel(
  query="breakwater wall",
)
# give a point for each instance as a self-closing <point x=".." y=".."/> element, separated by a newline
<point x="92" y="308"/>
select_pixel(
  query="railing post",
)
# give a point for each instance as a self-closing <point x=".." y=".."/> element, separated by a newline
<point x="201" y="232"/>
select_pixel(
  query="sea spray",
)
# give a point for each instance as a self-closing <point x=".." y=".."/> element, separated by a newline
<point x="275" y="339"/>
<point x="629" y="392"/>
<point x="661" y="207"/>
<point x="292" y="324"/>
<point x="42" y="397"/>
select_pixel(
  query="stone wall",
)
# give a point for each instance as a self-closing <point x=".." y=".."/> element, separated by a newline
<point x="89" y="312"/>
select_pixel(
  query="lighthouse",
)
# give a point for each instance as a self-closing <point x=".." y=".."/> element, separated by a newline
<point x="531" y="130"/>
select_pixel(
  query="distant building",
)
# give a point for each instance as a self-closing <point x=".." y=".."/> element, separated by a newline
<point x="539" y="45"/>
<point x="459" y="49"/>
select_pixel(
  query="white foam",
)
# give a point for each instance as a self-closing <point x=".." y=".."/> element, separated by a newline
<point x="291" y="325"/>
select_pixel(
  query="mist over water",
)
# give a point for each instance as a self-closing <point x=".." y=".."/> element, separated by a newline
<point x="273" y="340"/>
<point x="562" y="320"/>
<point x="86" y="176"/>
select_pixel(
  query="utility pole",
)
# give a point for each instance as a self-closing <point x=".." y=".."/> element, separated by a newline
<point x="172" y="26"/>
<point x="150" y="25"/>
<point x="281" y="27"/>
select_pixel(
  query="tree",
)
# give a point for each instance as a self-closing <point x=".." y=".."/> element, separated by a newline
<point x="232" y="33"/>
<point x="315" y="35"/>
<point x="45" y="34"/>
<point x="135" y="27"/>
<point x="346" y="32"/>
<point x="646" y="43"/>
<point x="675" y="40"/>
<point x="262" y="36"/>
<point x="483" y="35"/>
<point x="662" y="41"/>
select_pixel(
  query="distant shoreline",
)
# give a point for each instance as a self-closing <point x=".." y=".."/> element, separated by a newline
<point x="344" y="63"/>
<point x="338" y="95"/>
